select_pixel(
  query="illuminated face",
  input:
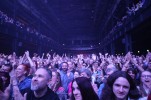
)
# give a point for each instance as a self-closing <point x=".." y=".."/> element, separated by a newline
<point x="40" y="80"/>
<point x="20" y="71"/>
<point x="131" y="74"/>
<point x="54" y="77"/>
<point x="76" y="74"/>
<point x="5" y="68"/>
<point x="121" y="88"/>
<point x="64" y="67"/>
<point x="76" y="91"/>
<point x="146" y="78"/>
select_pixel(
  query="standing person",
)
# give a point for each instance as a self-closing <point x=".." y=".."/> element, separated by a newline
<point x="82" y="89"/>
<point x="22" y="72"/>
<point x="6" y="68"/>
<point x="109" y="70"/>
<point x="120" y="86"/>
<point x="76" y="74"/>
<point x="6" y="79"/>
<point x="65" y="78"/>
<point x="145" y="84"/>
<point x="56" y="85"/>
<point x="39" y="88"/>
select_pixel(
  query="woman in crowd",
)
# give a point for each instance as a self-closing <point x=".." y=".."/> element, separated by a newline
<point x="56" y="85"/>
<point x="6" y="79"/>
<point x="82" y="89"/>
<point x="88" y="74"/>
<point x="145" y="85"/>
<point x="120" y="86"/>
<point x="23" y="81"/>
<point x="76" y="74"/>
<point x="133" y="73"/>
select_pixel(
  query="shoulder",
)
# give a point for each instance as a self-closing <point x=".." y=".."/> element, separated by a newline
<point x="52" y="95"/>
<point x="61" y="89"/>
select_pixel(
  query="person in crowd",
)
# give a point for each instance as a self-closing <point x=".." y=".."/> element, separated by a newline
<point x="95" y="66"/>
<point x="6" y="79"/>
<point x="109" y="70"/>
<point x="76" y="74"/>
<point x="133" y="73"/>
<point x="6" y="68"/>
<point x="56" y="85"/>
<point x="144" y="87"/>
<point x="23" y="81"/>
<point x="39" y="87"/>
<point x="87" y="73"/>
<point x="65" y="78"/>
<point x="120" y="86"/>
<point x="82" y="89"/>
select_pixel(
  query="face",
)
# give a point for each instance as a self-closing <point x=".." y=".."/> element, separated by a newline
<point x="146" y="77"/>
<point x="76" y="74"/>
<point x="20" y="71"/>
<point x="40" y="80"/>
<point x="149" y="64"/>
<point x="121" y="88"/>
<point x="131" y="74"/>
<point x="5" y="68"/>
<point x="64" y="67"/>
<point x="54" y="77"/>
<point x="70" y="65"/>
<point x="76" y="91"/>
<point x="95" y="66"/>
<point x="109" y="71"/>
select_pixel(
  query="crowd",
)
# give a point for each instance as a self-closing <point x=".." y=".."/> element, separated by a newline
<point x="80" y="77"/>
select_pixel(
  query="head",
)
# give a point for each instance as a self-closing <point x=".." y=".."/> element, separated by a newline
<point x="146" y="77"/>
<point x="95" y="65"/>
<point x="149" y="65"/>
<point x="85" y="73"/>
<point x="76" y="74"/>
<point x="82" y="89"/>
<point x="41" y="79"/>
<point x="70" y="65"/>
<point x="110" y="69"/>
<point x="5" y="77"/>
<point x="64" y="66"/>
<point x="56" y="77"/>
<point x="120" y="86"/>
<point x="6" y="68"/>
<point x="132" y="72"/>
<point x="22" y="70"/>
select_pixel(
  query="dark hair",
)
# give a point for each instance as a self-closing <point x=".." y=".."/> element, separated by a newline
<point x="107" y="92"/>
<point x="85" y="88"/>
<point x="1" y="85"/>
<point x="6" y="75"/>
<point x="133" y="70"/>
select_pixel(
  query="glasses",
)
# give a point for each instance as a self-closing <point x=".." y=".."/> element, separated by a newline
<point x="146" y="76"/>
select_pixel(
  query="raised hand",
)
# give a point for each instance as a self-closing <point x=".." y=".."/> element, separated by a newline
<point x="27" y="53"/>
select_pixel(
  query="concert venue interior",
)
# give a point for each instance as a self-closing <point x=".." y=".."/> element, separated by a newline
<point x="75" y="26"/>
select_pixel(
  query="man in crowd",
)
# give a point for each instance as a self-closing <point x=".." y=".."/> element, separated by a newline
<point x="39" y="88"/>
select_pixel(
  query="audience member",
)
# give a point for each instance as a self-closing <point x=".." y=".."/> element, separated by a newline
<point x="120" y="86"/>
<point x="83" y="90"/>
